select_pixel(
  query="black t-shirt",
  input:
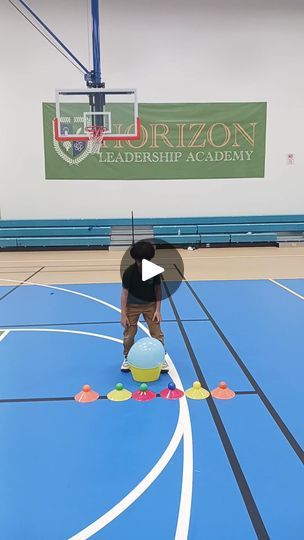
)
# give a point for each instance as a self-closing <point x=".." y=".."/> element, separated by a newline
<point x="139" y="291"/>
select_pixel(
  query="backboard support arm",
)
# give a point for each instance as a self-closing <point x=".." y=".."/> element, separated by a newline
<point x="92" y="78"/>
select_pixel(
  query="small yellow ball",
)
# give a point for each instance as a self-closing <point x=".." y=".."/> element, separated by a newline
<point x="197" y="385"/>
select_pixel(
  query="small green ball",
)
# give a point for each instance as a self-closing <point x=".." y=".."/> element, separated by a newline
<point x="119" y="386"/>
<point x="143" y="387"/>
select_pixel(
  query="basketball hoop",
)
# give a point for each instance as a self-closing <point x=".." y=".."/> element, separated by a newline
<point x="96" y="137"/>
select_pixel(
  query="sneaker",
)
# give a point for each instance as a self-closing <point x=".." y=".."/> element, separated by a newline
<point x="165" y="366"/>
<point x="125" y="366"/>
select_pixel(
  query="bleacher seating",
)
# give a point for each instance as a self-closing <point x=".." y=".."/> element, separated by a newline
<point x="54" y="233"/>
<point x="195" y="231"/>
<point x="230" y="230"/>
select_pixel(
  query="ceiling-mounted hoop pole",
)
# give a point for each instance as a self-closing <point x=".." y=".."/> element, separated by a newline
<point x="97" y="101"/>
<point x="96" y="74"/>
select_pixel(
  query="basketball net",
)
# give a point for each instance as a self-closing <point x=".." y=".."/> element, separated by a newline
<point x="96" y="137"/>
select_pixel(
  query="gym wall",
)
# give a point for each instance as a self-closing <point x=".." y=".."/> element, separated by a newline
<point x="172" y="51"/>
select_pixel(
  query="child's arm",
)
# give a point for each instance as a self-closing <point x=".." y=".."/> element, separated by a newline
<point x="124" y="319"/>
<point x="157" y="315"/>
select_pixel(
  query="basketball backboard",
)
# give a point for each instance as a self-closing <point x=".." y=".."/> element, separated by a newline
<point x="79" y="112"/>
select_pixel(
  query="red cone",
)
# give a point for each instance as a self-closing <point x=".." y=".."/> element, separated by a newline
<point x="171" y="392"/>
<point x="143" y="394"/>
<point x="223" y="392"/>
<point x="87" y="395"/>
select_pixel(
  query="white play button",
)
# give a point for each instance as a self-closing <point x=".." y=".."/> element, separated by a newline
<point x="149" y="270"/>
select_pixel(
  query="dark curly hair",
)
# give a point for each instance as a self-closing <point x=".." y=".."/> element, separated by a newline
<point x="142" y="250"/>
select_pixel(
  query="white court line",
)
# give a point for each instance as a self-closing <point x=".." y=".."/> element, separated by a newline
<point x="5" y="333"/>
<point x="59" y="330"/>
<point x="184" y="514"/>
<point x="133" y="495"/>
<point x="184" y="422"/>
<point x="120" y="507"/>
<point x="287" y="289"/>
<point x="77" y="293"/>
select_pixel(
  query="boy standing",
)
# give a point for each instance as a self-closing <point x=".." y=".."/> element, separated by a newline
<point x="140" y="298"/>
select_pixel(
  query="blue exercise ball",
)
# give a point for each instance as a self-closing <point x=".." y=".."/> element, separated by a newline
<point x="146" y="353"/>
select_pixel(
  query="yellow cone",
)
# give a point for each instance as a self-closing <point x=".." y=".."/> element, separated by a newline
<point x="197" y="392"/>
<point x="119" y="393"/>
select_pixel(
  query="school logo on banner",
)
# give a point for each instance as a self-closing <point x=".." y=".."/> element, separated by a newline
<point x="196" y="140"/>
<point x="72" y="152"/>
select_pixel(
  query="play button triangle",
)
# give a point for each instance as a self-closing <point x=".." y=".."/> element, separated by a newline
<point x="150" y="270"/>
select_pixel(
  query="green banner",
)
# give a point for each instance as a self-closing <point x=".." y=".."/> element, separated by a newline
<point x="178" y="140"/>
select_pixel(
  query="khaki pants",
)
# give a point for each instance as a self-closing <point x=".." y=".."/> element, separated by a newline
<point x="133" y="313"/>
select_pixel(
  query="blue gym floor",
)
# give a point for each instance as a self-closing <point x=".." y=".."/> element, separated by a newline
<point x="125" y="470"/>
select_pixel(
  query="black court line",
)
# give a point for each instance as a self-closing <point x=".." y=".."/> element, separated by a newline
<point x="252" y="509"/>
<point x="245" y="392"/>
<point x="41" y="399"/>
<point x="7" y="327"/>
<point x="33" y="400"/>
<point x="47" y="399"/>
<point x="20" y="284"/>
<point x="68" y="398"/>
<point x="276" y="417"/>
